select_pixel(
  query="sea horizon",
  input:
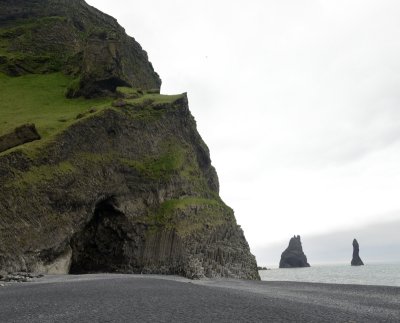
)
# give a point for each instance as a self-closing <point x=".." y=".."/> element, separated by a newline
<point x="333" y="263"/>
<point x="374" y="273"/>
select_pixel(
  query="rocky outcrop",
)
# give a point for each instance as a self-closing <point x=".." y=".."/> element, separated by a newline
<point x="127" y="189"/>
<point x="21" y="135"/>
<point x="294" y="256"/>
<point x="70" y="36"/>
<point x="356" y="260"/>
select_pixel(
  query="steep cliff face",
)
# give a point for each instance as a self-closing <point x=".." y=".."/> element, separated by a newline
<point x="127" y="189"/>
<point x="112" y="186"/>
<point x="70" y="36"/>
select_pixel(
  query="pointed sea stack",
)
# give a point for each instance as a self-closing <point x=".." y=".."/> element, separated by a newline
<point x="293" y="256"/>
<point x="356" y="261"/>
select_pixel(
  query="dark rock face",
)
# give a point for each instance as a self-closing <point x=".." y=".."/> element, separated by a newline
<point x="107" y="243"/>
<point x="294" y="256"/>
<point x="356" y="260"/>
<point x="131" y="189"/>
<point x="21" y="135"/>
<point x="75" y="38"/>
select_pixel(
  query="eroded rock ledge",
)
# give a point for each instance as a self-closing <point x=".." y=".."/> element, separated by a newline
<point x="21" y="135"/>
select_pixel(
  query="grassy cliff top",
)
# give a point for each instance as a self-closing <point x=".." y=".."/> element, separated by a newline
<point x="40" y="99"/>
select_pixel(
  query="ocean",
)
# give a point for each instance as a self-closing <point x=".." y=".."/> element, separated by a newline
<point x="371" y="274"/>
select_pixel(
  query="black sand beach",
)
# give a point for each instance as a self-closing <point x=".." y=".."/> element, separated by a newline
<point x="141" y="298"/>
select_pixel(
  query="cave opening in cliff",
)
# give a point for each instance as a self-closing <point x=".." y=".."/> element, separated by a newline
<point x="102" y="245"/>
<point x="111" y="83"/>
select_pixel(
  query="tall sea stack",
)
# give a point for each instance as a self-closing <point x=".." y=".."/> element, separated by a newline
<point x="356" y="261"/>
<point x="293" y="256"/>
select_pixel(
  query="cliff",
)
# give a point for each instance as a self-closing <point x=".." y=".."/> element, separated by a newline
<point x="294" y="256"/>
<point x="72" y="37"/>
<point x="356" y="260"/>
<point x="120" y="181"/>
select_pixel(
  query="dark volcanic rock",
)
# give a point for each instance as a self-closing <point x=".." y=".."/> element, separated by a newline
<point x="71" y="36"/>
<point x="21" y="135"/>
<point x="356" y="261"/>
<point x="130" y="190"/>
<point x="294" y="256"/>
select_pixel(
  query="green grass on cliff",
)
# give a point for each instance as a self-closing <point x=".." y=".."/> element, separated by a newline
<point x="172" y="158"/>
<point x="40" y="99"/>
<point x="160" y="167"/>
<point x="152" y="99"/>
<point x="41" y="175"/>
<point x="21" y="45"/>
<point x="190" y="214"/>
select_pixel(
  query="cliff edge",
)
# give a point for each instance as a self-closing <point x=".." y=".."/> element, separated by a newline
<point x="118" y="182"/>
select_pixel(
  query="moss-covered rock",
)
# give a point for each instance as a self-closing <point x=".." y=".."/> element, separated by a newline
<point x="122" y="183"/>
<point x="115" y="185"/>
<point x="70" y="36"/>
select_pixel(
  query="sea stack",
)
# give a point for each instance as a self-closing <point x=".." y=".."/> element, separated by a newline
<point x="356" y="261"/>
<point x="293" y="256"/>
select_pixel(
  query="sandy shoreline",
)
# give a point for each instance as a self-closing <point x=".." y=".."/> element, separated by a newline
<point x="154" y="298"/>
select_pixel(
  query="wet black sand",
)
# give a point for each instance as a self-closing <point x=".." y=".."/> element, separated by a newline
<point x="140" y="298"/>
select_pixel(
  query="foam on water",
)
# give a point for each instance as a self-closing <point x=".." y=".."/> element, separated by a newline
<point x="372" y="274"/>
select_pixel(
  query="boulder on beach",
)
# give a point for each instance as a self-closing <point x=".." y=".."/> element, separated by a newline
<point x="356" y="261"/>
<point x="293" y="256"/>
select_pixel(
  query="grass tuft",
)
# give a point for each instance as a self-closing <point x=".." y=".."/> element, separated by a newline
<point x="191" y="214"/>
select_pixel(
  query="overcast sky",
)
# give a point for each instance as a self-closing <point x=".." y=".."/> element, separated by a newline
<point x="379" y="242"/>
<point x="298" y="101"/>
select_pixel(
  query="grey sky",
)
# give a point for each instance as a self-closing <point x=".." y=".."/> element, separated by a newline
<point x="297" y="100"/>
